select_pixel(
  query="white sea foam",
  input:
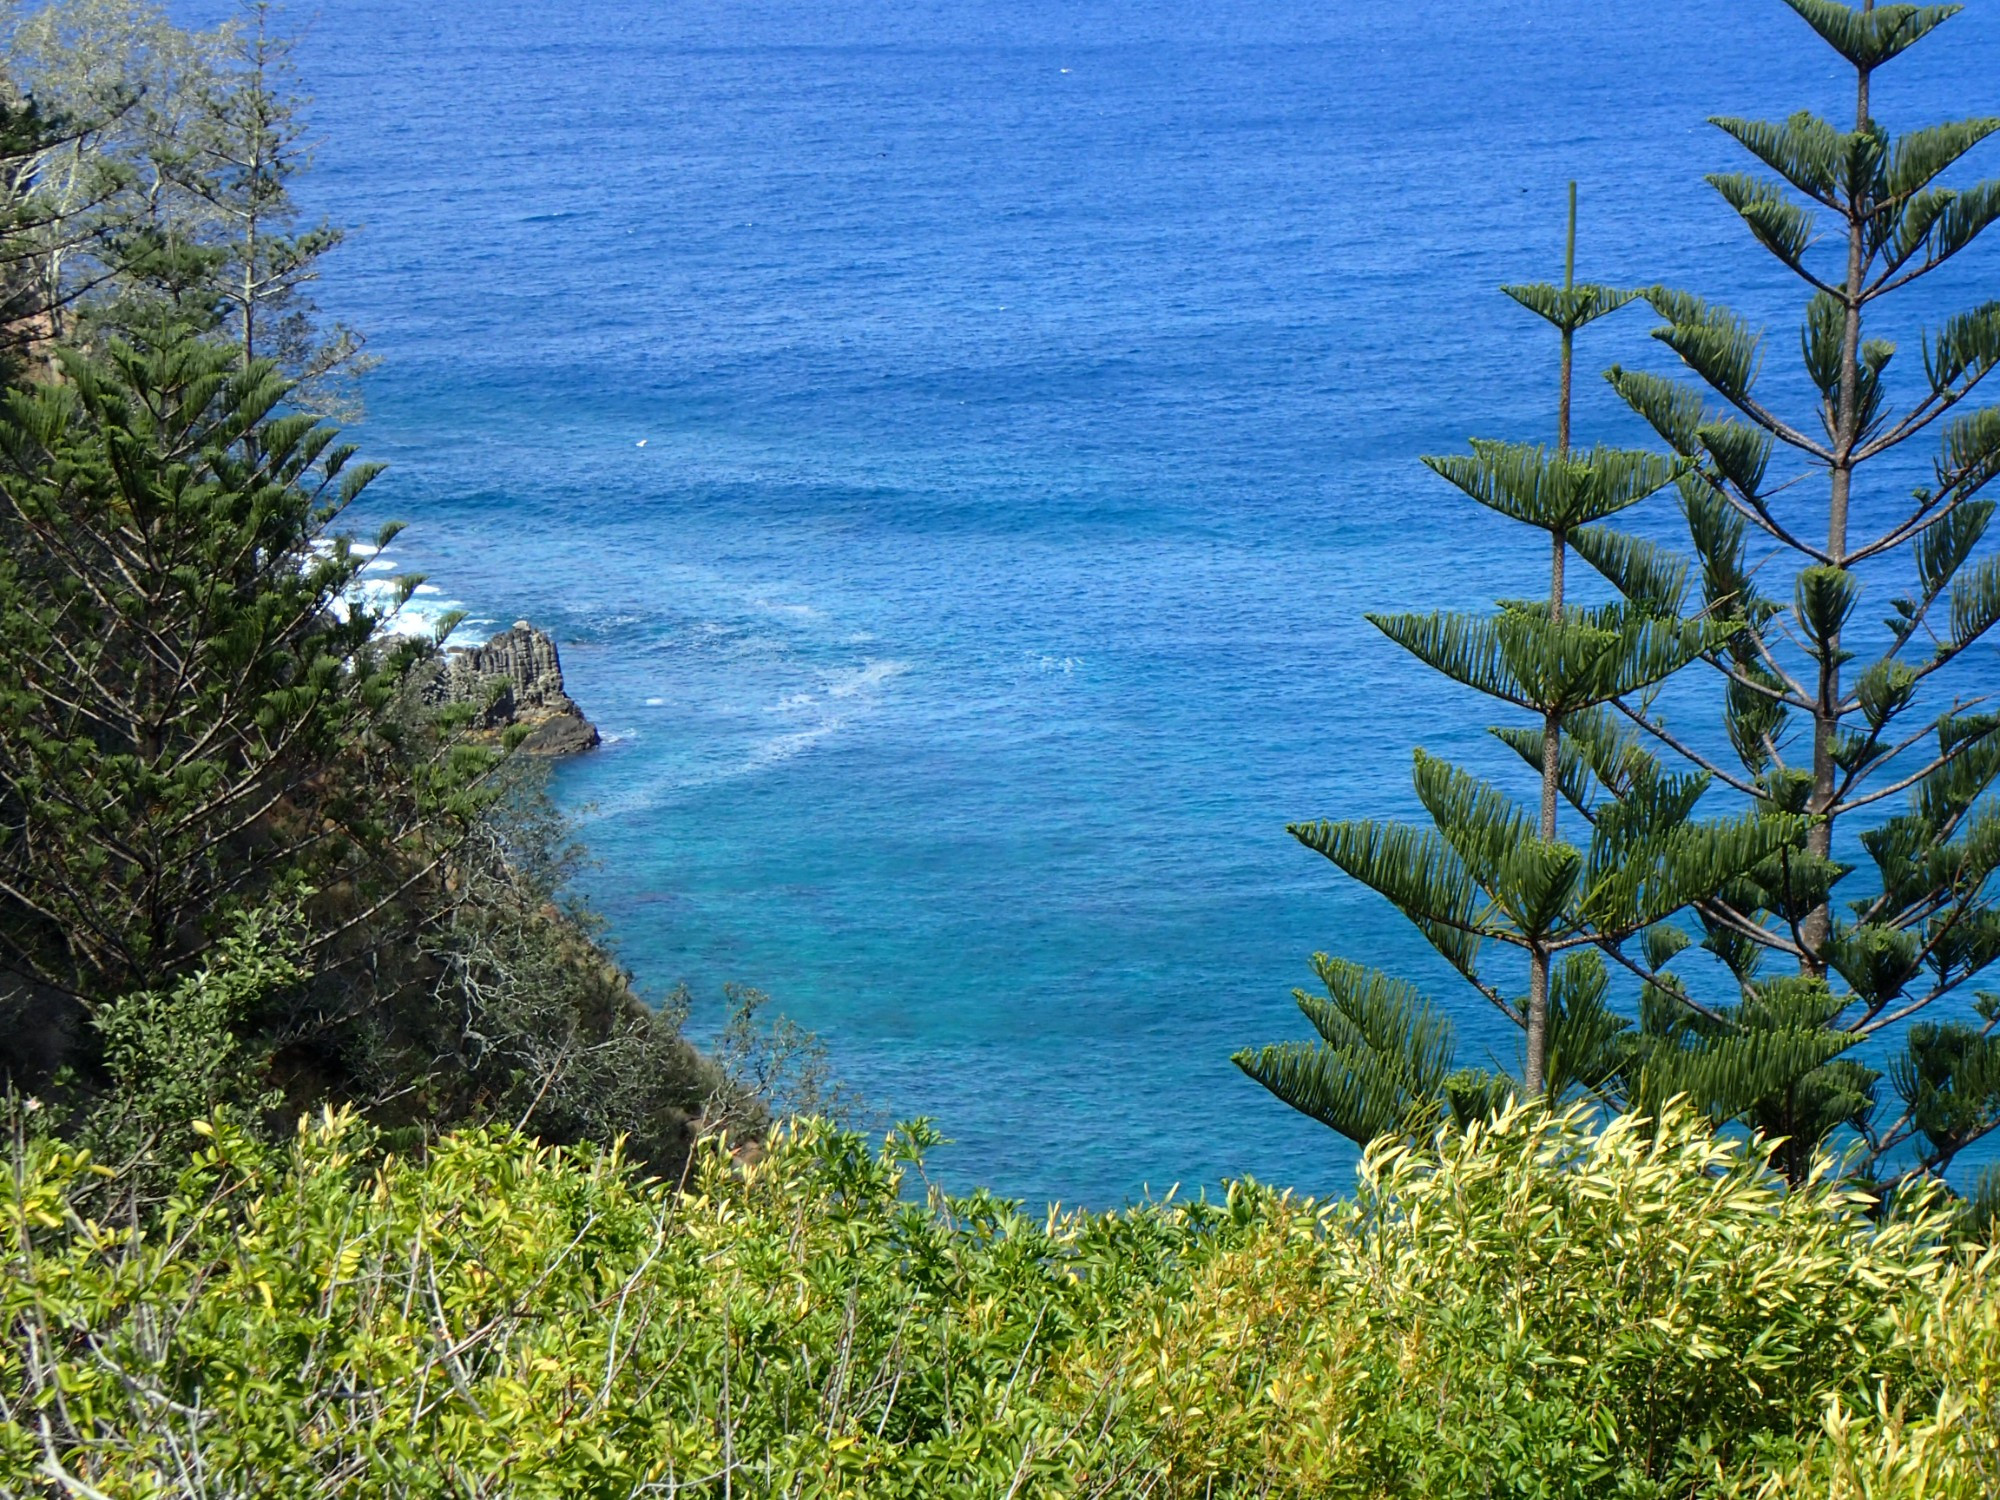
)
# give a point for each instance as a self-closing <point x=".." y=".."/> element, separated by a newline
<point x="845" y="697"/>
<point x="871" y="674"/>
<point x="782" y="748"/>
<point x="376" y="587"/>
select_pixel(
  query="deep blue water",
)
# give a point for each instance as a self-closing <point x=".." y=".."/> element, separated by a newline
<point x="1031" y="399"/>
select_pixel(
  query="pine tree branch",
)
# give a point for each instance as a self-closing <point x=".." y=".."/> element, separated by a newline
<point x="1901" y="1131"/>
<point x="1725" y="915"/>
<point x="1772" y="752"/>
<point x="1687" y="752"/>
<point x="1926" y="411"/>
<point x="1882" y="286"/>
<point x="1809" y="955"/>
<point x="1652" y="978"/>
<point x="1773" y="665"/>
<point x="1777" y="426"/>
<point x="1866" y="767"/>
<point x="1792" y="695"/>
<point x="1752" y="509"/>
<point x="1880" y="1020"/>
<point x="1900" y="786"/>
<point x="1919" y="519"/>
<point x="1940" y="835"/>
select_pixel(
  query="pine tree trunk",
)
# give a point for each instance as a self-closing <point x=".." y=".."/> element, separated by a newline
<point x="1534" y="1081"/>
<point x="1846" y="437"/>
<point x="1535" y="1068"/>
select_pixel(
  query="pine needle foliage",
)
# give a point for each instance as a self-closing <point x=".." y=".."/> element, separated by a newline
<point x="1560" y="890"/>
<point x="1874" y="926"/>
<point x="200" y="720"/>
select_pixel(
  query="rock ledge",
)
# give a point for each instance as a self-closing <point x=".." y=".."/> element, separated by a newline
<point x="516" y="678"/>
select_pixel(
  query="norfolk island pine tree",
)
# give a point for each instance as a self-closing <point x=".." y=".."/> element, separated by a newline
<point x="1490" y="872"/>
<point x="1881" y="965"/>
<point x="1772" y="1055"/>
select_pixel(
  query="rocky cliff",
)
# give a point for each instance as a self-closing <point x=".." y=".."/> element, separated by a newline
<point x="516" y="678"/>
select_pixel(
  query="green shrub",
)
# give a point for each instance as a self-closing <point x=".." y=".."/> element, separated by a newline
<point x="1935" y="1433"/>
<point x="1541" y="1307"/>
<point x="501" y="1317"/>
<point x="1536" y="1308"/>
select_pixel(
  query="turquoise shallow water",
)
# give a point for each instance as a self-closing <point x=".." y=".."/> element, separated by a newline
<point x="1030" y="399"/>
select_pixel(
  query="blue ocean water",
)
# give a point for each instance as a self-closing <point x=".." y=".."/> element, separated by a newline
<point x="954" y="443"/>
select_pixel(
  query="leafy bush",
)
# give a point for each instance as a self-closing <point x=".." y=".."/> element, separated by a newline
<point x="1536" y="1308"/>
<point x="1539" y="1307"/>
<point x="501" y="1317"/>
<point x="1934" y="1434"/>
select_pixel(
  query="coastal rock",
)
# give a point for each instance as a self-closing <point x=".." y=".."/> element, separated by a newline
<point x="516" y="678"/>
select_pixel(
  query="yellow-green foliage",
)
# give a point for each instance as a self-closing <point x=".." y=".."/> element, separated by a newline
<point x="1935" y="1434"/>
<point x="1541" y="1307"/>
<point x="1538" y="1308"/>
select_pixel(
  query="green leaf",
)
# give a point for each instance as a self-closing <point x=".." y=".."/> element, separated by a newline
<point x="1594" y="746"/>
<point x="1949" y="1076"/>
<point x="1943" y="546"/>
<point x="1717" y="531"/>
<point x="1960" y="221"/>
<point x="1569" y="308"/>
<point x="1593" y="656"/>
<point x="1964" y="349"/>
<point x="1731" y="1071"/>
<point x="1876" y="961"/>
<point x="1869" y="38"/>
<point x="1586" y="1041"/>
<point x="1969" y="454"/>
<point x="1465" y="648"/>
<point x="1806" y="151"/>
<point x="1673" y="408"/>
<point x="1661" y="943"/>
<point x="1917" y="158"/>
<point x="1821" y="341"/>
<point x="1477" y="1095"/>
<point x="1652" y="577"/>
<point x="1616" y="755"/>
<point x="1885" y="690"/>
<point x="1647" y="810"/>
<point x="1417" y="871"/>
<point x="1823" y="601"/>
<point x="356" y="480"/>
<point x="1533" y="883"/>
<point x="1556" y="492"/>
<point x="1781" y="226"/>
<point x="1482" y="823"/>
<point x="1975" y="603"/>
<point x="1382" y="1061"/>
<point x="1940" y="222"/>
<point x="1712" y="341"/>
<point x="1658" y="876"/>
<point x="1572" y="770"/>
<point x="1741" y="452"/>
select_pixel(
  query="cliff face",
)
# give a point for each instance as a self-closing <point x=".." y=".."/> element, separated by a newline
<point x="516" y="678"/>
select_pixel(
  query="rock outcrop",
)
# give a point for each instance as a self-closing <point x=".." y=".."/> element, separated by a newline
<point x="516" y="678"/>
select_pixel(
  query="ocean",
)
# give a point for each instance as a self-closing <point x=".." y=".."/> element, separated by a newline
<point x="954" y="444"/>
